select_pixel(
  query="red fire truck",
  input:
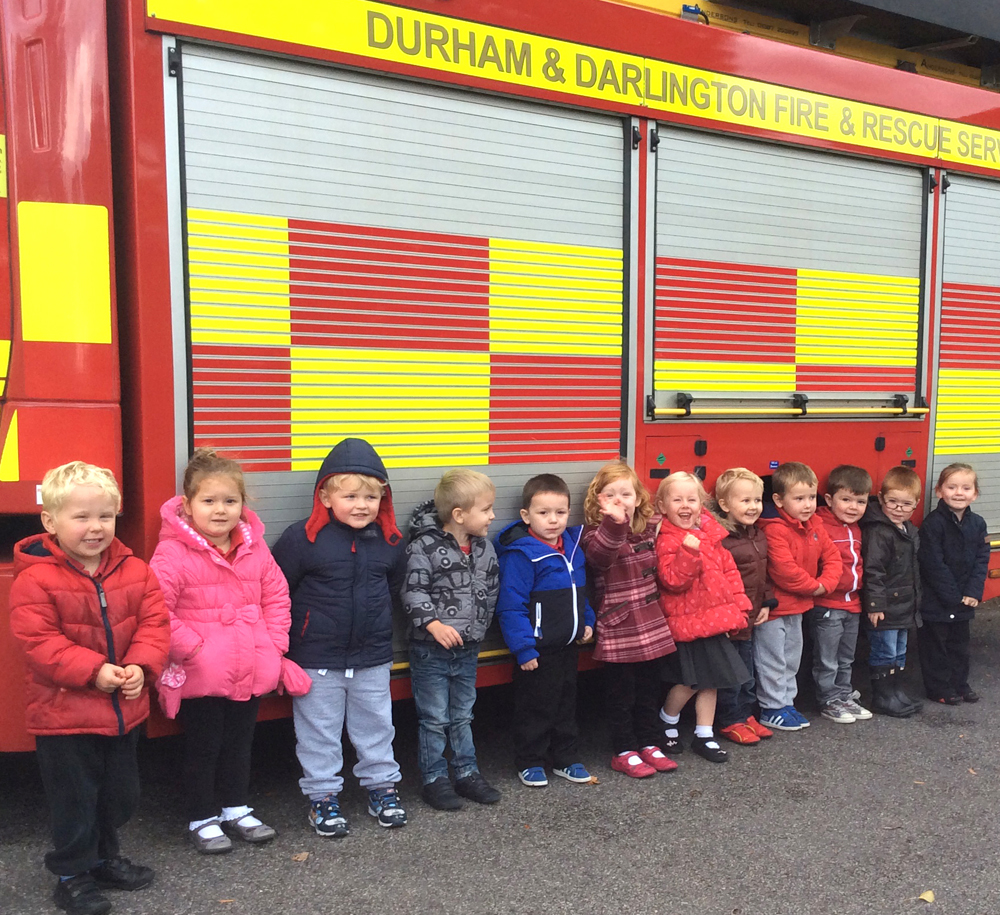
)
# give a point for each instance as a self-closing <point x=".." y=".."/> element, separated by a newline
<point x="520" y="236"/>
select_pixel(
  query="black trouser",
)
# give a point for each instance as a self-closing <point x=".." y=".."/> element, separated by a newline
<point x="634" y="698"/>
<point x="218" y="736"/>
<point x="92" y="786"/>
<point x="545" y="711"/>
<point x="944" y="657"/>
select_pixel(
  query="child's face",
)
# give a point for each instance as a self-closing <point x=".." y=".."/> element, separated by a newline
<point x="547" y="515"/>
<point x="958" y="491"/>
<point x="622" y="493"/>
<point x="215" y="508"/>
<point x="84" y="525"/>
<point x="744" y="502"/>
<point x="681" y="505"/>
<point x="798" y="502"/>
<point x="355" y="505"/>
<point x="898" y="505"/>
<point x="476" y="520"/>
<point x="847" y="506"/>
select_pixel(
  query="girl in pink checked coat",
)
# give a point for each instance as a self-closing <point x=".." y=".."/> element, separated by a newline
<point x="229" y="618"/>
<point x="632" y="634"/>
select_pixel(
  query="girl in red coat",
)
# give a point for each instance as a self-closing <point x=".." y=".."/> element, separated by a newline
<point x="632" y="633"/>
<point x="229" y="619"/>
<point x="703" y="599"/>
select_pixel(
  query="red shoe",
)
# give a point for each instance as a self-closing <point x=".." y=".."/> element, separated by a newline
<point x="655" y="757"/>
<point x="631" y="764"/>
<point x="740" y="733"/>
<point x="762" y="732"/>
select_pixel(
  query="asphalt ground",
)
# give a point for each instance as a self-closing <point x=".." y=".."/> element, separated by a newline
<point x="834" y="820"/>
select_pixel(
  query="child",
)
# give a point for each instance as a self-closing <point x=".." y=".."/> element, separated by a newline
<point x="703" y="599"/>
<point x="91" y="619"/>
<point x="543" y="610"/>
<point x="632" y="634"/>
<point x="228" y="604"/>
<point x="344" y="565"/>
<point x="834" y="619"/>
<point x="739" y="493"/>
<point x="891" y="590"/>
<point x="450" y="595"/>
<point x="954" y="558"/>
<point x="802" y="564"/>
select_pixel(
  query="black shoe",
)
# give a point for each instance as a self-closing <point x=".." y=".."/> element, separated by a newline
<point x="946" y="700"/>
<point x="716" y="754"/>
<point x="477" y="789"/>
<point x="122" y="874"/>
<point x="80" y="896"/>
<point x="440" y="794"/>
<point x="970" y="695"/>
<point x="885" y="699"/>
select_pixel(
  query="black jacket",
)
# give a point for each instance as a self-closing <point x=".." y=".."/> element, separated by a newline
<point x="891" y="583"/>
<point x="342" y="580"/>
<point x="954" y="558"/>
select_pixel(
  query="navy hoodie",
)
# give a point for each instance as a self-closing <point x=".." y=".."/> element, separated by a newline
<point x="343" y="580"/>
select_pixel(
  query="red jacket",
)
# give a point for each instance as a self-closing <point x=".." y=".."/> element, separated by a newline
<point x="702" y="593"/>
<point x="68" y="632"/>
<point x="800" y="558"/>
<point x="847" y="538"/>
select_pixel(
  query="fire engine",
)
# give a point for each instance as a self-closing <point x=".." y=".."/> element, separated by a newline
<point x="521" y="237"/>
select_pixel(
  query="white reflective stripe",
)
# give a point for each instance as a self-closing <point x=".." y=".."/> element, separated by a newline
<point x="538" y="619"/>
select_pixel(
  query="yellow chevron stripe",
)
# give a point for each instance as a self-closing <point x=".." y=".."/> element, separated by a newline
<point x="966" y="418"/>
<point x="710" y="377"/>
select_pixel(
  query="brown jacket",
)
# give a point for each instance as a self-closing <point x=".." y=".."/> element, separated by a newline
<point x="749" y="548"/>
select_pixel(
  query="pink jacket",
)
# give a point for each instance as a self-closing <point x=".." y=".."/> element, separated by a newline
<point x="229" y="621"/>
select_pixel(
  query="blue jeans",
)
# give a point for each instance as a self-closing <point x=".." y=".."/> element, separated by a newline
<point x="444" y="690"/>
<point x="888" y="647"/>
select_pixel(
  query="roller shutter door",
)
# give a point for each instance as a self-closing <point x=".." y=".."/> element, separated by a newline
<point x="433" y="270"/>
<point x="783" y="270"/>
<point x="966" y="423"/>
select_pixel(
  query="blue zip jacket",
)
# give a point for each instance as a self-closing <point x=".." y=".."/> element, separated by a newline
<point x="543" y="595"/>
<point x="954" y="559"/>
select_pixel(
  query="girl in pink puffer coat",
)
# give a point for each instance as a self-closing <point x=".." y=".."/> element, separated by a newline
<point x="229" y="618"/>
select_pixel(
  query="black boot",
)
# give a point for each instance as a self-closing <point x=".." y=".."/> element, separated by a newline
<point x="884" y="698"/>
<point x="917" y="704"/>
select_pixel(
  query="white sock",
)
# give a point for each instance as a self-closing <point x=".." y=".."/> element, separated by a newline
<point x="669" y="719"/>
<point x="209" y="832"/>
<point x="243" y="813"/>
<point x="703" y="730"/>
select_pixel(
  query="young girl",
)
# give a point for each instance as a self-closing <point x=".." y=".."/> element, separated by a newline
<point x="229" y="617"/>
<point x="703" y="599"/>
<point x="954" y="557"/>
<point x="632" y="633"/>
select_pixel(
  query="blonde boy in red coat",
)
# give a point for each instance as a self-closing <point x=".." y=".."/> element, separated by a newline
<point x="95" y="632"/>
<point x="803" y="563"/>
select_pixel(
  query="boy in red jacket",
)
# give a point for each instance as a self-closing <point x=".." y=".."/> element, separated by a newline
<point x="95" y="631"/>
<point x="802" y="564"/>
<point x="834" y="619"/>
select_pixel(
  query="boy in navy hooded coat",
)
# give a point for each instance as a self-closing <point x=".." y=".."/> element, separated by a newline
<point x="543" y="610"/>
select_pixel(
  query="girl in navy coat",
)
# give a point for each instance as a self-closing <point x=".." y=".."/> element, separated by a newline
<point x="954" y="558"/>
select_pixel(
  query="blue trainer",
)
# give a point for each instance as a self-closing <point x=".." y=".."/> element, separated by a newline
<point x="797" y="715"/>
<point x="384" y="805"/>
<point x="533" y="777"/>
<point x="781" y="719"/>
<point x="573" y="773"/>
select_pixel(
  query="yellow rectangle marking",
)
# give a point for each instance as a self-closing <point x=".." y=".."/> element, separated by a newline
<point x="729" y="377"/>
<point x="966" y="419"/>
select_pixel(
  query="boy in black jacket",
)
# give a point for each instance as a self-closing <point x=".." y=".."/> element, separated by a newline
<point x="344" y="564"/>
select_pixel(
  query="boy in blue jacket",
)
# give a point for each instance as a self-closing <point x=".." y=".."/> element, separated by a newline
<point x="344" y="564"/>
<point x="543" y="610"/>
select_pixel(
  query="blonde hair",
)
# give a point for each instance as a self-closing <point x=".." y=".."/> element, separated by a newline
<point x="729" y="478"/>
<point x="788" y="475"/>
<point x="206" y="463"/>
<point x="459" y="488"/>
<point x="681" y="476"/>
<point x="359" y="481"/>
<point x="903" y="479"/>
<point x="958" y="467"/>
<point x="60" y="481"/>
<point x="608" y="474"/>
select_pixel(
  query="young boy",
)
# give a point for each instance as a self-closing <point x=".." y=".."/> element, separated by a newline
<point x="891" y="589"/>
<point x="802" y="564"/>
<point x="543" y="609"/>
<point x="449" y="596"/>
<point x="344" y="565"/>
<point x="834" y="619"/>
<point x="95" y="632"/>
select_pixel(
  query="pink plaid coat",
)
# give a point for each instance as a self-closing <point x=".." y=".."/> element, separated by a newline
<point x="621" y="566"/>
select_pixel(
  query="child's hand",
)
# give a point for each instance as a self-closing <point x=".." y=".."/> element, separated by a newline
<point x="875" y="618"/>
<point x="588" y="633"/>
<point x="765" y="612"/>
<point x="109" y="678"/>
<point x="691" y="542"/>
<point x="970" y="602"/>
<point x="445" y="636"/>
<point x="820" y="591"/>
<point x="611" y="509"/>
<point x="530" y="665"/>
<point x="134" y="678"/>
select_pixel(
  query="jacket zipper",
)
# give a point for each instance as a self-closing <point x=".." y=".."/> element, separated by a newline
<point x="102" y="597"/>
